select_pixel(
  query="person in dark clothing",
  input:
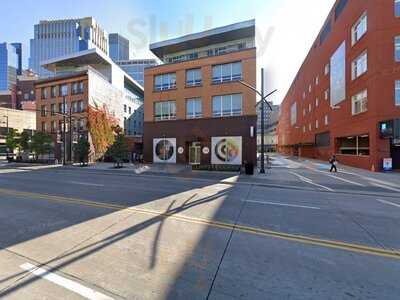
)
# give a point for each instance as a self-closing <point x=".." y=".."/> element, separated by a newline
<point x="333" y="162"/>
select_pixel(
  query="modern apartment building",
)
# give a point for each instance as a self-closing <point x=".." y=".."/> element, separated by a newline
<point x="195" y="110"/>
<point x="135" y="67"/>
<point x="62" y="37"/>
<point x="345" y="99"/>
<point x="8" y="66"/>
<point x="88" y="81"/>
<point x="118" y="47"/>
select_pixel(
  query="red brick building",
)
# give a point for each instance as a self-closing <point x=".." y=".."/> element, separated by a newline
<point x="345" y="99"/>
<point x="195" y="110"/>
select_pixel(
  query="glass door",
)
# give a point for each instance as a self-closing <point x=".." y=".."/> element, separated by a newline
<point x="194" y="154"/>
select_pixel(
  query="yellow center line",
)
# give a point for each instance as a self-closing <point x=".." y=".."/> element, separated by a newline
<point x="217" y="224"/>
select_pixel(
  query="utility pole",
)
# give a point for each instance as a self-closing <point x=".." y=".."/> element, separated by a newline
<point x="262" y="108"/>
<point x="7" y="133"/>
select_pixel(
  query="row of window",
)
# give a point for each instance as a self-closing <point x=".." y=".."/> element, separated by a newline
<point x="76" y="107"/>
<point x="222" y="106"/>
<point x="77" y="125"/>
<point x="220" y="74"/>
<point x="62" y="90"/>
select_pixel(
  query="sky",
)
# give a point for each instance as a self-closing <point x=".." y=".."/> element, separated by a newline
<point x="285" y="29"/>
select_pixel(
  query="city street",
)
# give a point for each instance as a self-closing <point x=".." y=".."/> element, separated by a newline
<point x="297" y="232"/>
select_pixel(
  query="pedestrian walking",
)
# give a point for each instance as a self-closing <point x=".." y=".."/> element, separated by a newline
<point x="333" y="162"/>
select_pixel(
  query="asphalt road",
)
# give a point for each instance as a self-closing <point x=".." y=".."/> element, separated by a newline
<point x="298" y="232"/>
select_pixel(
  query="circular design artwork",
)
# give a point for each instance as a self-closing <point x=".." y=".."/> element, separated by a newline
<point x="180" y="150"/>
<point x="226" y="150"/>
<point x="206" y="150"/>
<point x="164" y="150"/>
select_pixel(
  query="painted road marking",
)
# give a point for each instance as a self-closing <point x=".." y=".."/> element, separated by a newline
<point x="309" y="181"/>
<point x="223" y="225"/>
<point x="282" y="204"/>
<point x="64" y="282"/>
<point x="339" y="178"/>
<point x="388" y="202"/>
<point x="384" y="187"/>
<point x="86" y="183"/>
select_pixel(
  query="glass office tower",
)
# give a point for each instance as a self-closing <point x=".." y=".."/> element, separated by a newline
<point x="8" y="66"/>
<point x="62" y="37"/>
<point x="119" y="47"/>
<point x="18" y="48"/>
<point x="135" y="67"/>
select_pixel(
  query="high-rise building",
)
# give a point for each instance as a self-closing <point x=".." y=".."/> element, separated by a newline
<point x="118" y="47"/>
<point x="18" y="48"/>
<point x="196" y="111"/>
<point x="62" y="37"/>
<point x="135" y="67"/>
<point x="8" y="66"/>
<point x="345" y="98"/>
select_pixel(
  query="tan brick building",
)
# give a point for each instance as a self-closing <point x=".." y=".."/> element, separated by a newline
<point x="195" y="110"/>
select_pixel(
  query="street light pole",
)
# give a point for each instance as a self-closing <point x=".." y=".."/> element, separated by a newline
<point x="7" y="133"/>
<point x="262" y="170"/>
<point x="262" y="108"/>
<point x="64" y="133"/>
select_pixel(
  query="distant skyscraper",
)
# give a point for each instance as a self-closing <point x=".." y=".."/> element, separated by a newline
<point x="135" y="67"/>
<point x="119" y="47"/>
<point x="62" y="37"/>
<point x="8" y="66"/>
<point x="18" y="48"/>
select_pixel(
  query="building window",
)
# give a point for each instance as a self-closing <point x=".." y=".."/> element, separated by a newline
<point x="309" y="107"/>
<point x="43" y="111"/>
<point x="309" y="88"/>
<point x="74" y="88"/>
<point x="359" y="66"/>
<point x="359" y="29"/>
<point x="74" y="106"/>
<point x="125" y="108"/>
<point x="193" y="77"/>
<point x="62" y="108"/>
<point x="44" y="93"/>
<point x="316" y="124"/>
<point x="81" y="87"/>
<point x="304" y="111"/>
<point x="165" y="110"/>
<point x="316" y="102"/>
<point x="81" y="107"/>
<point x="293" y="114"/>
<point x="81" y="124"/>
<point x="397" y="48"/>
<point x="359" y="103"/>
<point x="44" y="126"/>
<point x="304" y="129"/>
<point x="354" y="145"/>
<point x="63" y="90"/>
<point x="26" y="96"/>
<point x="194" y="108"/>
<point x="397" y="93"/>
<point x="326" y="69"/>
<point x="227" y="105"/>
<point x="165" y="82"/>
<point x="227" y="72"/>
<point x="397" y="8"/>
<point x="53" y="91"/>
<point x="326" y="94"/>
<point x="304" y="95"/>
<point x="53" y="109"/>
<point x="339" y="8"/>
<point x="309" y="127"/>
<point x="53" y="126"/>
<point x="323" y="139"/>
<point x="326" y="120"/>
<point x="316" y="80"/>
<point x="130" y="110"/>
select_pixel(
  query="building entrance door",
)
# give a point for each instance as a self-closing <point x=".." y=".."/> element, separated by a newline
<point x="395" y="153"/>
<point x="194" y="154"/>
